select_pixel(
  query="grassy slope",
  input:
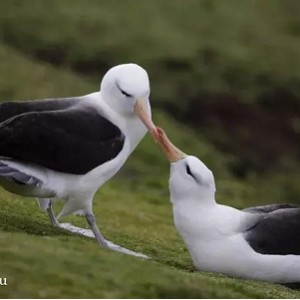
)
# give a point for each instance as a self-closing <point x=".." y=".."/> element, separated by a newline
<point x="132" y="210"/>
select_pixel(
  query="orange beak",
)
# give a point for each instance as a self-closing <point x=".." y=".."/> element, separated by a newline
<point x="141" y="112"/>
<point x="172" y="153"/>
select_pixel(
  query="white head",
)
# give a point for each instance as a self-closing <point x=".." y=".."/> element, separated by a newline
<point x="126" y="89"/>
<point x="190" y="179"/>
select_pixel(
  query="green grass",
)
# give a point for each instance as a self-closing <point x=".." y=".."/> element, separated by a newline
<point x="241" y="49"/>
<point x="40" y="261"/>
<point x="132" y="210"/>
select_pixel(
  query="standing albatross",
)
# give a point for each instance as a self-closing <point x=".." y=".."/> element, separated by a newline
<point x="68" y="148"/>
<point x="260" y="243"/>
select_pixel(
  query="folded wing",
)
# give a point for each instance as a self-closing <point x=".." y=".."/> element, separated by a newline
<point x="14" y="108"/>
<point x="73" y="140"/>
<point x="276" y="231"/>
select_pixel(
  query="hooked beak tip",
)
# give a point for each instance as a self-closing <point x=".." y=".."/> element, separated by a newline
<point x="172" y="153"/>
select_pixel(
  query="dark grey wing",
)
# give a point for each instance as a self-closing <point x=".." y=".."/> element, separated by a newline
<point x="277" y="232"/>
<point x="72" y="141"/>
<point x="269" y="208"/>
<point x="17" y="176"/>
<point x="14" y="108"/>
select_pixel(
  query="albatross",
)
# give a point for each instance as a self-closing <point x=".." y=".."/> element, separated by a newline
<point x="261" y="243"/>
<point x="68" y="148"/>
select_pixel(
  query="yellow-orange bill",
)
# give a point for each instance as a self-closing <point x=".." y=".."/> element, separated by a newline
<point x="141" y="112"/>
<point x="172" y="153"/>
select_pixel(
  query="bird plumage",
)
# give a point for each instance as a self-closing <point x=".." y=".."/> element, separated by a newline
<point x="48" y="138"/>
<point x="276" y="229"/>
<point x="68" y="148"/>
<point x="256" y="243"/>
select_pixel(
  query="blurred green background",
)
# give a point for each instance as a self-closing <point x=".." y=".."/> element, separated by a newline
<point x="225" y="85"/>
<point x="227" y="70"/>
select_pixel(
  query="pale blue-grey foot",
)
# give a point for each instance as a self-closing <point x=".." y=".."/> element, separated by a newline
<point x="94" y="232"/>
<point x="46" y="205"/>
<point x="110" y="245"/>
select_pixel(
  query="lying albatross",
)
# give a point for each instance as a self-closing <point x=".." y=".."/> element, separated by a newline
<point x="260" y="243"/>
<point x="68" y="148"/>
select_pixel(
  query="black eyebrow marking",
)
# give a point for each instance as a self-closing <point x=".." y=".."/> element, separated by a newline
<point x="188" y="170"/>
<point x="123" y="92"/>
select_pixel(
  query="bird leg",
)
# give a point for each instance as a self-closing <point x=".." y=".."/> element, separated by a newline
<point x="94" y="232"/>
<point x="51" y="214"/>
<point x="98" y="235"/>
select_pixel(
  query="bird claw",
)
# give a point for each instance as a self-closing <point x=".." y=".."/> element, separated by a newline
<point x="89" y="233"/>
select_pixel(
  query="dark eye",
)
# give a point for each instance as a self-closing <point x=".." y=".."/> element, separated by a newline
<point x="124" y="93"/>
<point x="188" y="170"/>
